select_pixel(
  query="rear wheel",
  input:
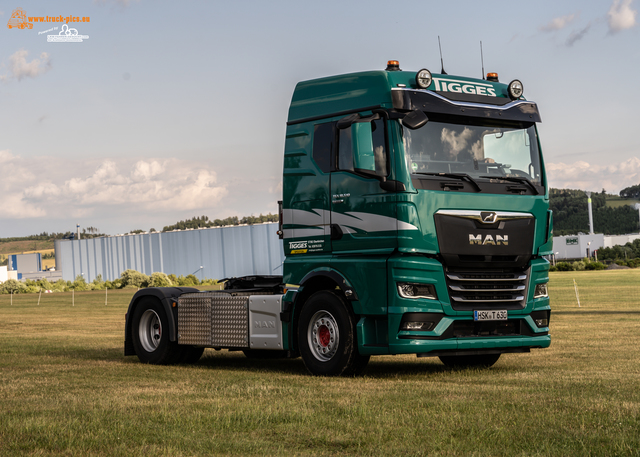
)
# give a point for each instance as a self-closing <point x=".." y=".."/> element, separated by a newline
<point x="327" y="337"/>
<point x="470" y="361"/>
<point x="150" y="328"/>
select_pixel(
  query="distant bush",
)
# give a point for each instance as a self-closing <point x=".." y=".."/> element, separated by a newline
<point x="595" y="266"/>
<point x="579" y="265"/>
<point x="60" y="286"/>
<point x="13" y="286"/>
<point x="80" y="284"/>
<point x="564" y="266"/>
<point x="98" y="283"/>
<point x="134" y="278"/>
<point x="130" y="279"/>
<point x="159" y="279"/>
<point x="633" y="263"/>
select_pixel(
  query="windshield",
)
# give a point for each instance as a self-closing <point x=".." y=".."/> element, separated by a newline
<point x="476" y="150"/>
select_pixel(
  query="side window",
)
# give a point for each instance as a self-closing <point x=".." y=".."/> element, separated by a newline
<point x="323" y="139"/>
<point x="362" y="147"/>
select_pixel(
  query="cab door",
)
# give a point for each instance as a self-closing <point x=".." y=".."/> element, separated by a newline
<point x="363" y="215"/>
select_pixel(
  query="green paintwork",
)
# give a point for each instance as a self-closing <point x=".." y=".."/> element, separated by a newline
<point x="372" y="262"/>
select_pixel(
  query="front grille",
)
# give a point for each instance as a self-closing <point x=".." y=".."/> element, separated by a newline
<point x="487" y="289"/>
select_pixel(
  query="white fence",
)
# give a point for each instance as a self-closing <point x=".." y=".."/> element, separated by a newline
<point x="214" y="253"/>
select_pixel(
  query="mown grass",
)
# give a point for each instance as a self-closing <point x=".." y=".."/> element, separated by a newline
<point x="66" y="389"/>
<point x="619" y="201"/>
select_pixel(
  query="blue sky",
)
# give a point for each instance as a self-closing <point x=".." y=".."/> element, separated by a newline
<point x="171" y="110"/>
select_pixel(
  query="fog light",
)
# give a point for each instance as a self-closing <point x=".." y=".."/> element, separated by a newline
<point x="540" y="291"/>
<point x="424" y="326"/>
<point x="542" y="322"/>
<point x="412" y="290"/>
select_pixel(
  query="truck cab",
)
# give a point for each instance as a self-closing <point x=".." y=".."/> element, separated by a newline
<point x="420" y="202"/>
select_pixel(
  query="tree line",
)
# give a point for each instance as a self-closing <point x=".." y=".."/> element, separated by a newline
<point x="204" y="222"/>
<point x="570" y="213"/>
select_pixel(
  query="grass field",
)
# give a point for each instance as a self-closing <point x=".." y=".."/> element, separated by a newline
<point x="19" y="247"/>
<point x="619" y="201"/>
<point x="66" y="389"/>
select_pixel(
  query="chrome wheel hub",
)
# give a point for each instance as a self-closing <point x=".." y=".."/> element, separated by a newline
<point x="323" y="336"/>
<point x="150" y="330"/>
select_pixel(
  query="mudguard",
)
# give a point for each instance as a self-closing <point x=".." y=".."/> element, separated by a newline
<point x="165" y="295"/>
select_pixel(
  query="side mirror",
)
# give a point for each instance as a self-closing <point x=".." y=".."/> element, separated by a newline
<point x="362" y="146"/>
<point x="415" y="119"/>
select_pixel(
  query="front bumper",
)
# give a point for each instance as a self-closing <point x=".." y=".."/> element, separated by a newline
<point x="451" y="329"/>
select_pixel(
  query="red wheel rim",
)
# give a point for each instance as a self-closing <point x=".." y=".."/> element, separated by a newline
<point x="324" y="336"/>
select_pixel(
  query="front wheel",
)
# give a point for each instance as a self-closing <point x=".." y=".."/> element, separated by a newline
<point x="470" y="361"/>
<point x="327" y="337"/>
<point x="150" y="328"/>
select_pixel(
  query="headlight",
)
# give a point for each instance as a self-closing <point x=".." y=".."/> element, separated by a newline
<point x="423" y="78"/>
<point x="515" y="89"/>
<point x="540" y="291"/>
<point x="413" y="290"/>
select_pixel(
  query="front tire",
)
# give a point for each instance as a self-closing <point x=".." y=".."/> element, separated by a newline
<point x="469" y="361"/>
<point x="150" y="328"/>
<point x="327" y="337"/>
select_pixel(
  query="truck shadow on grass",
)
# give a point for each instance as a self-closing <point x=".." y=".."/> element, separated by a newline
<point x="377" y="368"/>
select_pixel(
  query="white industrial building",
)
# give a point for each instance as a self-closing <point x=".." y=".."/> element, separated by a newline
<point x="576" y="246"/>
<point x="214" y="253"/>
<point x="6" y="274"/>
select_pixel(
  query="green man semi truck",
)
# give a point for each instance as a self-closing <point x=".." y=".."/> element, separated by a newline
<point x="414" y="219"/>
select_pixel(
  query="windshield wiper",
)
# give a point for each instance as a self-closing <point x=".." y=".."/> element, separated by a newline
<point x="519" y="179"/>
<point x="460" y="176"/>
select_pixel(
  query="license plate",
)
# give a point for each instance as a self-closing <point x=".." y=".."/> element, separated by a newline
<point x="490" y="315"/>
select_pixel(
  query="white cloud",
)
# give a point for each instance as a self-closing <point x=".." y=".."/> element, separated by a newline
<point x="558" y="23"/>
<point x="582" y="175"/>
<point x="43" y="187"/>
<point x="19" y="67"/>
<point x="14" y="174"/>
<point x="621" y="16"/>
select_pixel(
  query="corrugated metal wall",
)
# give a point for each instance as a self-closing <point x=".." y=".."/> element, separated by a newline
<point x="222" y="253"/>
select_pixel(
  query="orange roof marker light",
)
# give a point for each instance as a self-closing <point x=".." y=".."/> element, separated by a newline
<point x="393" y="65"/>
<point x="492" y="77"/>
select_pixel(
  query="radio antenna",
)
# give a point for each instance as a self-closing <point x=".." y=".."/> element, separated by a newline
<point x="441" y="61"/>
<point x="482" y="59"/>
